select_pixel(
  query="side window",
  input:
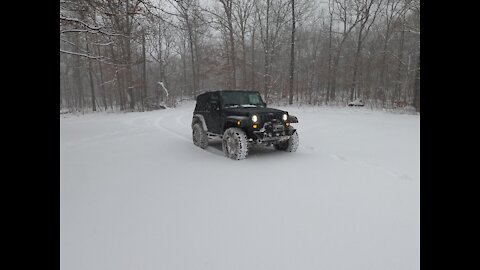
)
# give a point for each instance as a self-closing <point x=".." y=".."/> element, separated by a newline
<point x="213" y="98"/>
<point x="201" y="102"/>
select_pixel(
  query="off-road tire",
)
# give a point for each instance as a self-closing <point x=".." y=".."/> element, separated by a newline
<point x="234" y="144"/>
<point x="290" y="145"/>
<point x="199" y="136"/>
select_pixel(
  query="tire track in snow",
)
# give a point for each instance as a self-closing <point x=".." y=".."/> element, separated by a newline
<point x="171" y="131"/>
<point x="404" y="177"/>
<point x="134" y="130"/>
<point x="89" y="139"/>
<point x="180" y="122"/>
<point x="133" y="121"/>
<point x="390" y="172"/>
<point x="107" y="137"/>
<point x="308" y="147"/>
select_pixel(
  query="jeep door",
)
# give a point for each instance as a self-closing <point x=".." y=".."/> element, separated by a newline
<point x="213" y="116"/>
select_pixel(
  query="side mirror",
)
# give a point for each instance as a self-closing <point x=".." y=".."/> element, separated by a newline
<point x="264" y="104"/>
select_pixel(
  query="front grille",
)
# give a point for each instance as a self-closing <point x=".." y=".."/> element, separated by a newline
<point x="269" y="117"/>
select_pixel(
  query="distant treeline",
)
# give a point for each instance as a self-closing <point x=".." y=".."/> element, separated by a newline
<point x="127" y="55"/>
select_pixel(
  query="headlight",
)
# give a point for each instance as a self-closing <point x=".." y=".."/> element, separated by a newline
<point x="285" y="117"/>
<point x="254" y="118"/>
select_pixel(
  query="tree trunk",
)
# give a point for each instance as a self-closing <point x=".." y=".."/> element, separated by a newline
<point x="292" y="56"/>
<point x="232" y="54"/>
<point x="244" y="63"/>
<point x="253" y="60"/>
<point x="128" y="51"/>
<point x="144" y="95"/>
<point x="228" y="9"/>
<point x="416" y="88"/>
<point x="334" y="76"/>
<point x="199" y="80"/>
<point x="102" y="83"/>
<point x="398" y="83"/>
<point x="335" y="68"/>
<point x="355" y="66"/>
<point x="329" y="76"/>
<point x="78" y="77"/>
<point x="383" y="72"/>
<point x="184" y="61"/>
<point x="194" y="72"/>
<point x="266" y="75"/>
<point x="118" y="81"/>
<point x="129" y="79"/>
<point x="92" y="90"/>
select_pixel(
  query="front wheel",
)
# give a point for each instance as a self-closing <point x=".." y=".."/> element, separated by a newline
<point x="234" y="143"/>
<point x="289" y="146"/>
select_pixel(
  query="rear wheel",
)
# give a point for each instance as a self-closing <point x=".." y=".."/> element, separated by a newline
<point x="234" y="144"/>
<point x="290" y="145"/>
<point x="199" y="136"/>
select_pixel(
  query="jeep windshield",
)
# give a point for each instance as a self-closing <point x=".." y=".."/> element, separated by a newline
<point x="241" y="99"/>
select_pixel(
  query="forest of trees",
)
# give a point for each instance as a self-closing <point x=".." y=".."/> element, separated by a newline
<point x="124" y="54"/>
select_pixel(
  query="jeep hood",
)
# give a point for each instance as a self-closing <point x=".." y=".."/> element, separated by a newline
<point x="247" y="111"/>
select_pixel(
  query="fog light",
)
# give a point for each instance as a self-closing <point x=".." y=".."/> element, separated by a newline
<point x="254" y="125"/>
<point x="238" y="123"/>
<point x="287" y="124"/>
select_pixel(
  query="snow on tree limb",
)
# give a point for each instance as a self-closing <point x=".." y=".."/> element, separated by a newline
<point x="163" y="86"/>
<point x="81" y="22"/>
<point x="81" y="54"/>
<point x="98" y="58"/>
<point x="91" y="29"/>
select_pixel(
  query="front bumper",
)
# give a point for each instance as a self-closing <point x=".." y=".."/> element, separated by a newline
<point x="273" y="139"/>
<point x="272" y="132"/>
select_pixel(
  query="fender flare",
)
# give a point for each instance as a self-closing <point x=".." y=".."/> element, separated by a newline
<point x="201" y="119"/>
<point x="292" y="119"/>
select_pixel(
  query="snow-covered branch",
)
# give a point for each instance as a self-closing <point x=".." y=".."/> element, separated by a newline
<point x="90" y="29"/>
<point x="81" y="22"/>
<point x="82" y="55"/>
<point x="97" y="58"/>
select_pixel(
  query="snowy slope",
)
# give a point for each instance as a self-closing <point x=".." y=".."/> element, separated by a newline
<point x="137" y="194"/>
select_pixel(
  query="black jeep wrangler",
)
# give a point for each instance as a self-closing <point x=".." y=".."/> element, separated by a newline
<point x="241" y="118"/>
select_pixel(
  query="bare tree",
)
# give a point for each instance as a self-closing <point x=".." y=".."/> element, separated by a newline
<point x="185" y="9"/>
<point x="228" y="11"/>
<point x="242" y="13"/>
<point x="364" y="7"/>
<point x="343" y="10"/>
<point x="272" y="19"/>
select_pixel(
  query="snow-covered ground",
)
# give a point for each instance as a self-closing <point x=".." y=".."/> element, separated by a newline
<point x="137" y="194"/>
